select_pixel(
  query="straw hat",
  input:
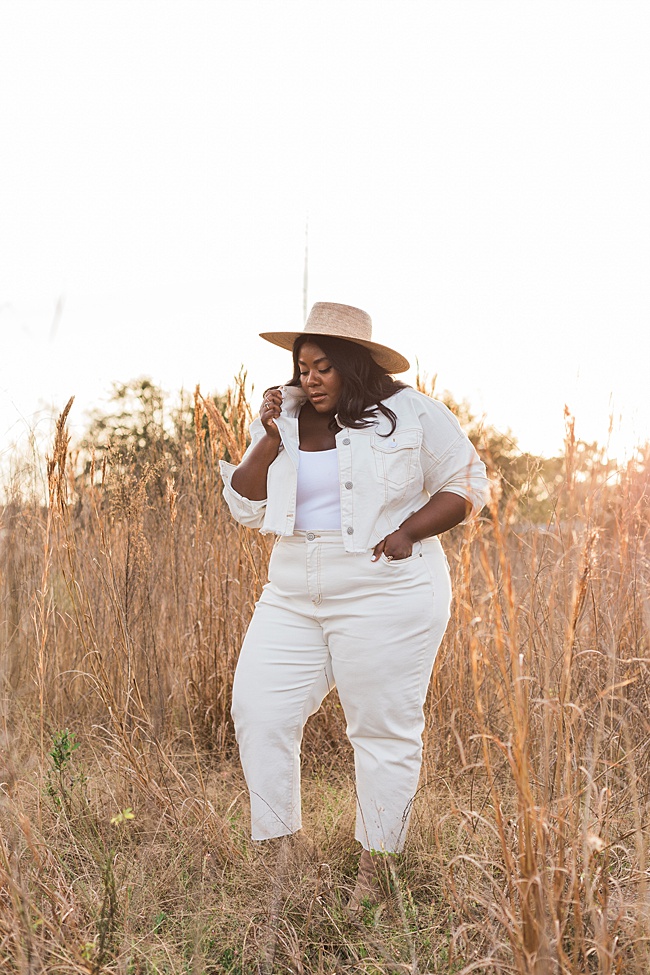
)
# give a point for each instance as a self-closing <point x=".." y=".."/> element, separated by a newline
<point x="342" y="322"/>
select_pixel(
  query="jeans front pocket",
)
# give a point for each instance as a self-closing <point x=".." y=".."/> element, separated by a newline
<point x="415" y="554"/>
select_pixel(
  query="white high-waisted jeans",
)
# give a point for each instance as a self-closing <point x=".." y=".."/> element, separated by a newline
<point x="329" y="617"/>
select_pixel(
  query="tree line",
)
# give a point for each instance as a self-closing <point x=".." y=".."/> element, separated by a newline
<point x="139" y="428"/>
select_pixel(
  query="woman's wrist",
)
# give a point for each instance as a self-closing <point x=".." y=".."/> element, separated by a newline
<point x="409" y="532"/>
<point x="270" y="443"/>
<point x="441" y="512"/>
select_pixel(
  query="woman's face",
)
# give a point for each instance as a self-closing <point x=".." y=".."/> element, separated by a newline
<point x="319" y="378"/>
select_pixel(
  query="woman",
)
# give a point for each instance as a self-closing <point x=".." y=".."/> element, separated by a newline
<point x="356" y="474"/>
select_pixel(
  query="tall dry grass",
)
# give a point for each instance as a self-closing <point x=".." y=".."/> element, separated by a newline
<point x="124" y="843"/>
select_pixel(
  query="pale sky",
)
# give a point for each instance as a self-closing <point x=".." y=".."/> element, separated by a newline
<point x="475" y="176"/>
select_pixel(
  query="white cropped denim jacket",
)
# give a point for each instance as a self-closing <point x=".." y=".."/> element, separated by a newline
<point x="383" y="479"/>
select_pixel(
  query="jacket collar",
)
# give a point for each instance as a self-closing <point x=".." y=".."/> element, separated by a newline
<point x="293" y="397"/>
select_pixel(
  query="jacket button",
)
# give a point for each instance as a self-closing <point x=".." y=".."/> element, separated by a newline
<point x="350" y="531"/>
<point x="346" y="441"/>
<point x="348" y="484"/>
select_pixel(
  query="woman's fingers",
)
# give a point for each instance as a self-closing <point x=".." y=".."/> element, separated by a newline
<point x="398" y="545"/>
<point x="271" y="404"/>
<point x="378" y="549"/>
<point x="270" y="410"/>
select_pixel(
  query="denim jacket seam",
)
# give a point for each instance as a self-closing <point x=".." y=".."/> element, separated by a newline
<point x="442" y="457"/>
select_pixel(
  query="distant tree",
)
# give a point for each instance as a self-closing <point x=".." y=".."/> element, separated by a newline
<point x="582" y="476"/>
<point x="527" y="482"/>
<point x="137" y="428"/>
<point x="133" y="422"/>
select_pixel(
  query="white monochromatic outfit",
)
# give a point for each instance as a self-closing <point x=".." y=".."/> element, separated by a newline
<point x="383" y="479"/>
<point x="329" y="615"/>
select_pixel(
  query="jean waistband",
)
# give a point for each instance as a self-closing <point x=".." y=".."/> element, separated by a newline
<point x="319" y="533"/>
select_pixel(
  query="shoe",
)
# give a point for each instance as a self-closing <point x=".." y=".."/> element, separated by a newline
<point x="369" y="889"/>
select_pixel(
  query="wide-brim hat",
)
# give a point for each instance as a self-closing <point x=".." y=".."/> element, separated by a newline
<point x="342" y="322"/>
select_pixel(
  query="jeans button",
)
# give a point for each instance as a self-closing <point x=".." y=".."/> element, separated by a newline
<point x="350" y="531"/>
<point x="310" y="536"/>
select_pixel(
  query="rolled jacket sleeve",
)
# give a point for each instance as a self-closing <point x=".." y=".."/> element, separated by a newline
<point x="246" y="512"/>
<point x="449" y="459"/>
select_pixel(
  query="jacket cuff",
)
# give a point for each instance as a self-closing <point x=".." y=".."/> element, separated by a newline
<point x="244" y="510"/>
<point x="476" y="495"/>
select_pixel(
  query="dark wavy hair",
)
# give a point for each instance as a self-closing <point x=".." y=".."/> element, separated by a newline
<point x="365" y="383"/>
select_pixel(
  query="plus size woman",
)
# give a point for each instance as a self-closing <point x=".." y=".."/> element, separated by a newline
<point x="356" y="474"/>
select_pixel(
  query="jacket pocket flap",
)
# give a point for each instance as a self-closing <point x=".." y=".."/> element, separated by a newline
<point x="397" y="441"/>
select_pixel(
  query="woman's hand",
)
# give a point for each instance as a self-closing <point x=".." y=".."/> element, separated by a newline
<point x="249" y="479"/>
<point x="269" y="411"/>
<point x="441" y="512"/>
<point x="398" y="545"/>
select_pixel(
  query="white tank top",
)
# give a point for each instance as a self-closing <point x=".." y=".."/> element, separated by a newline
<point x="318" y="499"/>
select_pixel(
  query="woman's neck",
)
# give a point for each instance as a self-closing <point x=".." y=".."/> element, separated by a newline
<point x="314" y="429"/>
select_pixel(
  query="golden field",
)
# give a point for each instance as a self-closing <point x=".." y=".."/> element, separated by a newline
<point x="124" y="841"/>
